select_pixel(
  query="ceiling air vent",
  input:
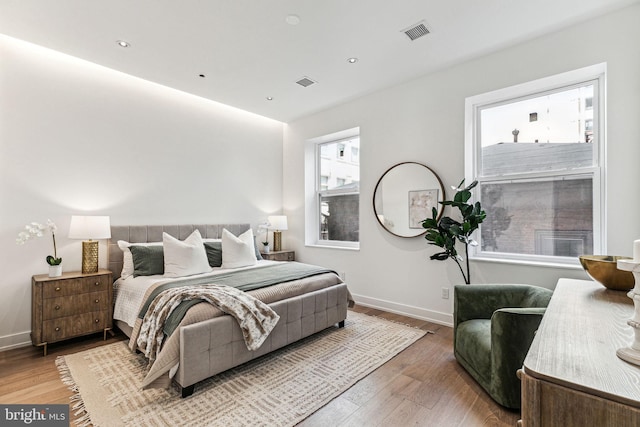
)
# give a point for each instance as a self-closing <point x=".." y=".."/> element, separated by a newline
<point x="305" y="82"/>
<point x="416" y="31"/>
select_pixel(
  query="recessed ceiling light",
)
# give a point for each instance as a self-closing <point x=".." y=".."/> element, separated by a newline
<point x="269" y="98"/>
<point x="292" y="19"/>
<point x="352" y="60"/>
<point x="123" y="43"/>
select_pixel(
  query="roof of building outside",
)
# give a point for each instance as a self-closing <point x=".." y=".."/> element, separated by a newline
<point x="518" y="157"/>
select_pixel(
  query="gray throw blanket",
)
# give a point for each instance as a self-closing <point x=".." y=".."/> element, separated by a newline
<point x="255" y="318"/>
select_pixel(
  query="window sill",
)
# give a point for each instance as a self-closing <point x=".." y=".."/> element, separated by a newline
<point x="530" y="263"/>
<point x="346" y="248"/>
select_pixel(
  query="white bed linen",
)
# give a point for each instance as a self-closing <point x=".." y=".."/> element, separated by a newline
<point x="129" y="292"/>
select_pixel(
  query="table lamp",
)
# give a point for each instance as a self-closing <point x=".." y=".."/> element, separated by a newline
<point x="90" y="228"/>
<point x="278" y="223"/>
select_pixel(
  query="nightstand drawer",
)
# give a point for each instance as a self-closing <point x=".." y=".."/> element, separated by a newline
<point x="74" y="286"/>
<point x="75" y="304"/>
<point x="280" y="256"/>
<point x="72" y="326"/>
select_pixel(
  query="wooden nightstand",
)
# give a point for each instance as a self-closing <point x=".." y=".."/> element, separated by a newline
<point x="71" y="305"/>
<point x="280" y="255"/>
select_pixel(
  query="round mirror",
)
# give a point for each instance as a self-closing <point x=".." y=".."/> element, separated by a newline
<point x="404" y="197"/>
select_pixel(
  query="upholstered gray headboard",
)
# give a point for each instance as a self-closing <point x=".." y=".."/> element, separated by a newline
<point x="153" y="233"/>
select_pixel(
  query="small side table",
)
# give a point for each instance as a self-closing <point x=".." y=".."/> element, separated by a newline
<point x="280" y="256"/>
<point x="69" y="306"/>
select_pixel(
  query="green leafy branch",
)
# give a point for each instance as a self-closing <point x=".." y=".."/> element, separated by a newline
<point x="447" y="231"/>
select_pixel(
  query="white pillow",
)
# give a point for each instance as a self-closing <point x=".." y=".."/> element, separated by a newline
<point x="238" y="251"/>
<point x="127" y="258"/>
<point x="184" y="258"/>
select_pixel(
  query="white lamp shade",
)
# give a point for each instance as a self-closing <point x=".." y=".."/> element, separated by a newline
<point x="90" y="227"/>
<point x="277" y="222"/>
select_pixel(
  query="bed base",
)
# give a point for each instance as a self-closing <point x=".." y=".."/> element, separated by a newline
<point x="188" y="390"/>
<point x="216" y="345"/>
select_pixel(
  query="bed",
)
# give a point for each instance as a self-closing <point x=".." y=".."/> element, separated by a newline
<point x="207" y="341"/>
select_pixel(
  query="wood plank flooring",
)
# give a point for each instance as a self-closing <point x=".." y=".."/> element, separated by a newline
<point x="421" y="386"/>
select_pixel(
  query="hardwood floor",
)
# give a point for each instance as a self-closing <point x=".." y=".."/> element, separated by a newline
<point x="421" y="386"/>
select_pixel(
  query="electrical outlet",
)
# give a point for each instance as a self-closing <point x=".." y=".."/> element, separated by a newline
<point x="445" y="293"/>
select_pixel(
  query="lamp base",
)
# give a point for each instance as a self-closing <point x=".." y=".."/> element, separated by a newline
<point x="89" y="257"/>
<point x="277" y="241"/>
<point x="631" y="354"/>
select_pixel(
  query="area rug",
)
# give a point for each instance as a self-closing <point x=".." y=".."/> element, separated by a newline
<point x="279" y="389"/>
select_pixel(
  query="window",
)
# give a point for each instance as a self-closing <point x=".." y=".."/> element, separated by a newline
<point x="588" y="103"/>
<point x="324" y="183"/>
<point x="333" y="190"/>
<point x="355" y="154"/>
<point x="537" y="151"/>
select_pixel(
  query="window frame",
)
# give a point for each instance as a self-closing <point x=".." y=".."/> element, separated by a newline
<point x="595" y="74"/>
<point x="314" y="192"/>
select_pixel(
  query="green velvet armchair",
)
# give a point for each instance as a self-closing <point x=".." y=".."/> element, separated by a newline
<point x="493" y="329"/>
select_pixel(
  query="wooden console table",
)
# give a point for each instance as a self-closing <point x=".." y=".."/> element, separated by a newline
<point x="571" y="375"/>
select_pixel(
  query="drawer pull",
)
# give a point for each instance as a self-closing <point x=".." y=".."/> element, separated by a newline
<point x="57" y="328"/>
<point x="57" y="288"/>
<point x="57" y="307"/>
<point x="97" y="301"/>
<point x="97" y="284"/>
<point x="97" y="320"/>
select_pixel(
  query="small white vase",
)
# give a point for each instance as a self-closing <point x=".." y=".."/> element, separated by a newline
<point x="55" y="270"/>
<point x="265" y="249"/>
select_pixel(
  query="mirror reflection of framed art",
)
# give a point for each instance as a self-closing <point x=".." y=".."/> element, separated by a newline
<point x="421" y="202"/>
<point x="404" y="196"/>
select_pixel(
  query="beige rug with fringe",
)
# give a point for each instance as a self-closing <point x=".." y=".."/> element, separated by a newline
<point x="279" y="389"/>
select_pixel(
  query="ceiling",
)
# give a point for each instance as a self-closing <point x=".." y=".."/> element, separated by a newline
<point x="247" y="51"/>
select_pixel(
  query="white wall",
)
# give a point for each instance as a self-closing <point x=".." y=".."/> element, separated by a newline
<point x="423" y="120"/>
<point x="79" y="138"/>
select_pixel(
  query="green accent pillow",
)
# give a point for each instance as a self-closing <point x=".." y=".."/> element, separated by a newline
<point x="147" y="260"/>
<point x="214" y="253"/>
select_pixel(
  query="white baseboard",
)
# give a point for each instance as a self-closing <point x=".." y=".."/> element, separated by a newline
<point x="21" y="339"/>
<point x="405" y="310"/>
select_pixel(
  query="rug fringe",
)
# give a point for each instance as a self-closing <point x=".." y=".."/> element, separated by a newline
<point x="77" y="404"/>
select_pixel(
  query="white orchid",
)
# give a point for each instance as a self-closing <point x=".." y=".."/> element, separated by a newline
<point x="35" y="229"/>
<point x="52" y="226"/>
<point x="265" y="226"/>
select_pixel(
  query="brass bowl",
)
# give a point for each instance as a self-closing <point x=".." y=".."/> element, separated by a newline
<point x="603" y="269"/>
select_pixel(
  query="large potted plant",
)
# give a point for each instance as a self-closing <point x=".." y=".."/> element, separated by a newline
<point x="447" y="231"/>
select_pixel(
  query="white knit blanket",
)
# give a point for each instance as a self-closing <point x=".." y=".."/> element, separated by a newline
<point x="255" y="318"/>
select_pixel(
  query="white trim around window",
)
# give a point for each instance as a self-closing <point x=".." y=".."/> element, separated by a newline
<point x="595" y="74"/>
<point x="313" y="190"/>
